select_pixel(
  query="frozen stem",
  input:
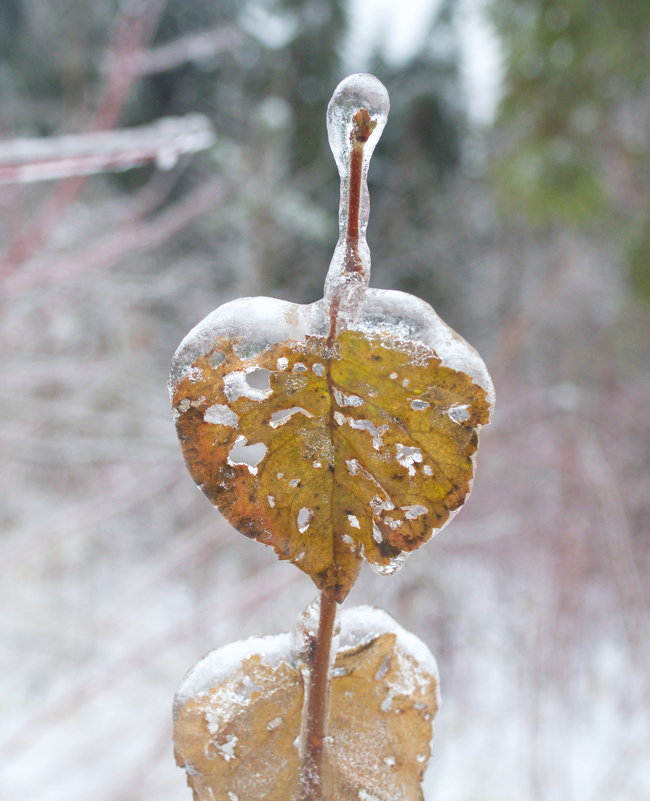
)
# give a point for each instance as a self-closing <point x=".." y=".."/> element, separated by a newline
<point x="315" y="719"/>
<point x="362" y="127"/>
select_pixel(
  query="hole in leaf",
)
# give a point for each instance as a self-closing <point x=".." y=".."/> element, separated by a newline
<point x="283" y="416"/>
<point x="378" y="505"/>
<point x="347" y="400"/>
<point x="416" y="404"/>
<point x="249" y="455"/>
<point x="259" y="379"/>
<point x="353" y="466"/>
<point x="376" y="432"/>
<point x="305" y="516"/>
<point x="382" y="671"/>
<point x="414" y="511"/>
<point x="459" y="413"/>
<point x="255" y="384"/>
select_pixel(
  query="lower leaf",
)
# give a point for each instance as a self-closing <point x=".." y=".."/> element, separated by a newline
<point x="238" y="716"/>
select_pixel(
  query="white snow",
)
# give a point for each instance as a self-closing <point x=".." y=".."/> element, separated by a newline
<point x="218" y="414"/>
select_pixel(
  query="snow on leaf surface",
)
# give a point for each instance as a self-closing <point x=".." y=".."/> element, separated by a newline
<point x="343" y="429"/>
<point x="237" y="716"/>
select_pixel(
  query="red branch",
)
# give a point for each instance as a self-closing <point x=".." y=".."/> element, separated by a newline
<point x="132" y="33"/>
<point x="127" y="240"/>
<point x="27" y="160"/>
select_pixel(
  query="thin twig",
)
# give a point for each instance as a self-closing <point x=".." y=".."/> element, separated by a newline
<point x="132" y="33"/>
<point x="127" y="240"/>
<point x="193" y="47"/>
<point x="49" y="158"/>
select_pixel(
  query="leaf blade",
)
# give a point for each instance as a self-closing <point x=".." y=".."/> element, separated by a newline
<point x="372" y="443"/>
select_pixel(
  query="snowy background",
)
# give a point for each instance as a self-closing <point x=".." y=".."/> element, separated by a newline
<point x="509" y="191"/>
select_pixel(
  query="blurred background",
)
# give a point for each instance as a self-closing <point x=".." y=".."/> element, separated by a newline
<point x="510" y="191"/>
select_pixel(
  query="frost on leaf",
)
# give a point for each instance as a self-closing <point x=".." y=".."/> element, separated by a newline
<point x="412" y="463"/>
<point x="237" y="716"/>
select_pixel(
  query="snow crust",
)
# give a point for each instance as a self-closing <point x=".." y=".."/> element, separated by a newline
<point x="218" y="665"/>
<point x="356" y="626"/>
<point x="361" y="624"/>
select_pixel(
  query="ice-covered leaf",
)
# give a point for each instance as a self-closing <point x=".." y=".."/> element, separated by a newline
<point x="328" y="457"/>
<point x="342" y="429"/>
<point x="237" y="716"/>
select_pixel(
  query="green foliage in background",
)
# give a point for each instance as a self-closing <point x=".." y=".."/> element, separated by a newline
<point x="572" y="137"/>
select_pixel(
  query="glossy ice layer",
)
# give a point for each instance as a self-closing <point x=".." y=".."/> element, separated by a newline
<point x="355" y="92"/>
<point x="356" y="116"/>
<point x="261" y="322"/>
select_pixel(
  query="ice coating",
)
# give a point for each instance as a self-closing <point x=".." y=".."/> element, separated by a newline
<point x="237" y="715"/>
<point x="360" y="90"/>
<point x="257" y="322"/>
<point x="262" y="322"/>
<point x="357" y="626"/>
<point x="411" y="319"/>
<point x="243" y="336"/>
<point x="356" y="117"/>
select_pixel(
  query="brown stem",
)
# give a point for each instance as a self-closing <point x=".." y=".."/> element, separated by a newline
<point x="362" y="127"/>
<point x="354" y="202"/>
<point x="314" y="725"/>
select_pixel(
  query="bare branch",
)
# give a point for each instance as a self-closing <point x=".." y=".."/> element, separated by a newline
<point x="194" y="47"/>
<point x="125" y="241"/>
<point x="134" y="28"/>
<point x="46" y="159"/>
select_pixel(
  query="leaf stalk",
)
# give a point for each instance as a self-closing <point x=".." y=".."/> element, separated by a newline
<point x="317" y="703"/>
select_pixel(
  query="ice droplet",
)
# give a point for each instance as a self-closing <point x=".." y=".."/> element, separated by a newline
<point x="357" y="91"/>
<point x="393" y="565"/>
<point x="306" y="632"/>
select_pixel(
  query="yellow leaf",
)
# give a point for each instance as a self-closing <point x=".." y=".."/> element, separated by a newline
<point x="237" y="738"/>
<point x="341" y="429"/>
<point x="330" y="455"/>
